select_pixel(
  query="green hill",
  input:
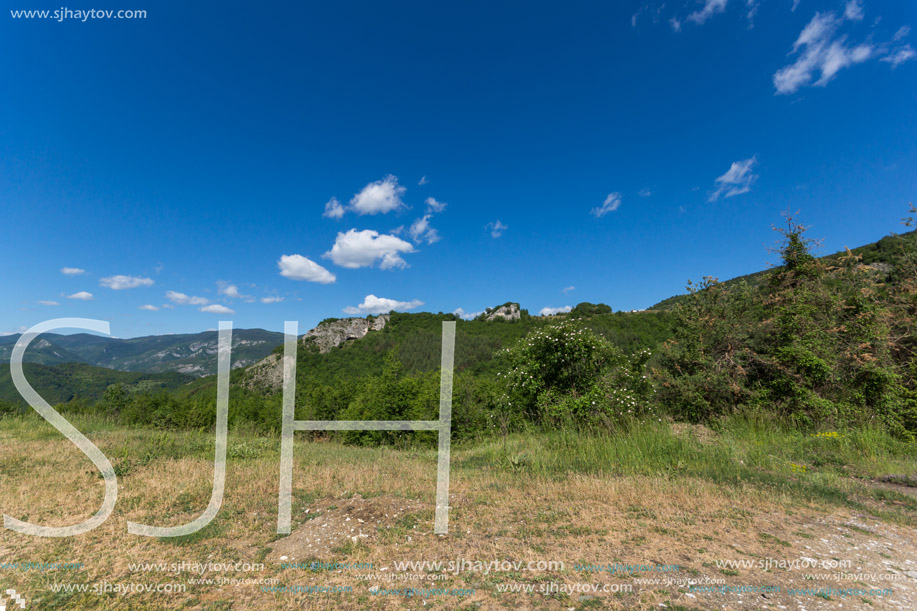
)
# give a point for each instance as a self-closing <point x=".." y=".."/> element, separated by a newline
<point x="885" y="255"/>
<point x="70" y="381"/>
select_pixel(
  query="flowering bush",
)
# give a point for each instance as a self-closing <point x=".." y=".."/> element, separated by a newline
<point x="566" y="373"/>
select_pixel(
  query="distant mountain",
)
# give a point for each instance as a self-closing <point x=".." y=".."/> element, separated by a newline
<point x="191" y="354"/>
<point x="882" y="255"/>
<point x="40" y="351"/>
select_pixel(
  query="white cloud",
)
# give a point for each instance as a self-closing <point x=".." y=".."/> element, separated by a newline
<point x="853" y="10"/>
<point x="182" y="299"/>
<point x="496" y="228"/>
<point x="422" y="232"/>
<point x="466" y="315"/>
<point x="333" y="209"/>
<point x="568" y="289"/>
<point x="675" y="23"/>
<point x="823" y="52"/>
<point x="711" y="7"/>
<point x="72" y="271"/>
<point x="232" y="291"/>
<point x="271" y="299"/>
<point x="612" y="202"/>
<point x="356" y="249"/>
<point x="752" y="6"/>
<point x="82" y="296"/>
<point x="551" y="311"/>
<point x="48" y="303"/>
<point x="380" y="305"/>
<point x="900" y="55"/>
<point x="120" y="283"/>
<point x="435" y="206"/>
<point x="633" y="18"/>
<point x="901" y="33"/>
<point x="216" y="308"/>
<point x="149" y="308"/>
<point x="423" y="180"/>
<point x="737" y="179"/>
<point x="645" y="192"/>
<point x="795" y="4"/>
<point x="377" y="197"/>
<point x="298" y="267"/>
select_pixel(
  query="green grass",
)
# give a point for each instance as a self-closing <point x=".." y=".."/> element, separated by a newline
<point x="744" y="452"/>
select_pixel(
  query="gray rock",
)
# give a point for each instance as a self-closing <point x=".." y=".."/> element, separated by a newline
<point x="333" y="334"/>
<point x="510" y="311"/>
<point x="268" y="372"/>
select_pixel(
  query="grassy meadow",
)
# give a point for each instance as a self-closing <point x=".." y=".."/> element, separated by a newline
<point x="651" y="491"/>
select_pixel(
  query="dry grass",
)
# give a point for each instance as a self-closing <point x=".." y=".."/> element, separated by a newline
<point x="498" y="513"/>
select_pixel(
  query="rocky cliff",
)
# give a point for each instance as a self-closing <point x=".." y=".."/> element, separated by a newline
<point x="507" y="311"/>
<point x="328" y="335"/>
<point x="334" y="333"/>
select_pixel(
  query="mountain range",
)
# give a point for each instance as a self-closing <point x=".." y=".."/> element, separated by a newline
<point x="193" y="354"/>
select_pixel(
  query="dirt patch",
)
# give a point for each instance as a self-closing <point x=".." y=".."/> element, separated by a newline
<point x="338" y="522"/>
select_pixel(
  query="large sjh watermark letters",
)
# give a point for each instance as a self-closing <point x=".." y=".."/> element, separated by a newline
<point x="443" y="425"/>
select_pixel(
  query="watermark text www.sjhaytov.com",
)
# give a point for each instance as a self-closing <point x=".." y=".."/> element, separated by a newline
<point x="64" y="14"/>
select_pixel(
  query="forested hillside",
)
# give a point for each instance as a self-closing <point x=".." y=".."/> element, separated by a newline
<point x="815" y="342"/>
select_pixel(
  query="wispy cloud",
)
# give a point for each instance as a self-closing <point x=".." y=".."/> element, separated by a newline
<point x="48" y="303"/>
<point x="853" y="10"/>
<point x="356" y="249"/>
<point x="216" y="308"/>
<point x="435" y="206"/>
<point x="496" y="228"/>
<point x="423" y="180"/>
<point x="710" y="8"/>
<point x="182" y="299"/>
<point x="149" y="308"/>
<point x="645" y="192"/>
<point x="822" y="51"/>
<point x="379" y="305"/>
<point x="612" y="202"/>
<point x="271" y="299"/>
<point x="552" y="311"/>
<point x="568" y="289"/>
<point x="298" y="267"/>
<point x="737" y="179"/>
<point x="72" y="271"/>
<point x="120" y="283"/>
<point x="900" y="55"/>
<point x="81" y="296"/>
<point x="421" y="231"/>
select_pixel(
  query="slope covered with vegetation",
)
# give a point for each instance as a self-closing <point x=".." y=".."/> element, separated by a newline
<point x="813" y="344"/>
<point x="79" y="385"/>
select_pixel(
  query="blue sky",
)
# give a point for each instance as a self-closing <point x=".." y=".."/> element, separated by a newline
<point x="218" y="161"/>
